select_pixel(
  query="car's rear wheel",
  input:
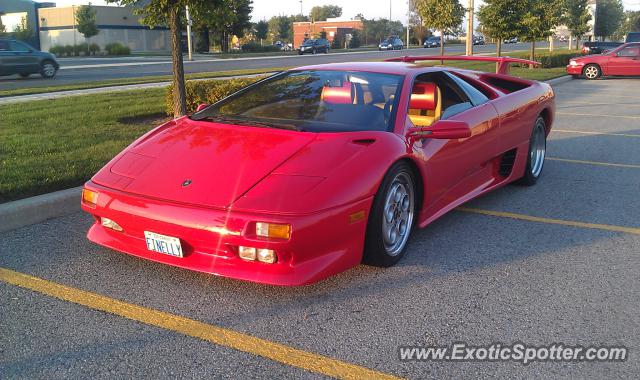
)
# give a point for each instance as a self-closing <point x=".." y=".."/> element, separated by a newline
<point x="592" y="71"/>
<point x="47" y="69"/>
<point x="25" y="75"/>
<point x="537" y="153"/>
<point x="391" y="218"/>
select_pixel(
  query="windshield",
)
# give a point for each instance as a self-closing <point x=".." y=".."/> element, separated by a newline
<point x="313" y="100"/>
<point x="309" y="42"/>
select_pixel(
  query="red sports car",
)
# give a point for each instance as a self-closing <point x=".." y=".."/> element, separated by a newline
<point x="621" y="61"/>
<point x="315" y="170"/>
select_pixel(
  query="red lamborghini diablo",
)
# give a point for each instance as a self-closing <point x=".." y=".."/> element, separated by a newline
<point x="315" y="170"/>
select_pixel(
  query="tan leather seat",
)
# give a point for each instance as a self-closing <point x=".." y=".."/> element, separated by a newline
<point x="425" y="106"/>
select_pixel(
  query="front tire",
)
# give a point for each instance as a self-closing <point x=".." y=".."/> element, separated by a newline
<point x="391" y="218"/>
<point x="536" y="155"/>
<point x="25" y="75"/>
<point x="592" y="71"/>
<point x="48" y="70"/>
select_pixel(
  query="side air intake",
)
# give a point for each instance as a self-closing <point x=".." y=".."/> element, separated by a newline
<point x="506" y="163"/>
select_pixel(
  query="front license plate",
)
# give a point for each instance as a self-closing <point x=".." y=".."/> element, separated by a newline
<point x="164" y="244"/>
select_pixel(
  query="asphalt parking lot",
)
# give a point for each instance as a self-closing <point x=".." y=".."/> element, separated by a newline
<point x="557" y="262"/>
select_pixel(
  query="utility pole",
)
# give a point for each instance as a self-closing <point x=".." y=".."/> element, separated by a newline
<point x="301" y="7"/>
<point x="408" y="20"/>
<point x="469" y="41"/>
<point x="188" y="32"/>
<point x="390" y="10"/>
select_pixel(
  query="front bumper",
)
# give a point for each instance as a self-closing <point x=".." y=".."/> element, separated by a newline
<point x="574" y="70"/>
<point x="321" y="244"/>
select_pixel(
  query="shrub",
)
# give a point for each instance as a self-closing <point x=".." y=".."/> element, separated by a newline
<point x="57" y="50"/>
<point x="254" y="47"/>
<point x="116" y="48"/>
<point x="80" y="49"/>
<point x="208" y="91"/>
<point x="68" y="50"/>
<point x="94" y="49"/>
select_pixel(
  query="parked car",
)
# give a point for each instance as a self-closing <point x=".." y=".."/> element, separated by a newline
<point x="478" y="40"/>
<point x="315" y="45"/>
<point x="331" y="168"/>
<point x="512" y="40"/>
<point x="431" y="42"/>
<point x="597" y="47"/>
<point x="16" y="57"/>
<point x="633" y="37"/>
<point x="391" y="43"/>
<point x="622" y="61"/>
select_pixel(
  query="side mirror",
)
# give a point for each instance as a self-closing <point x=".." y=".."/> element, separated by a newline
<point x="201" y="107"/>
<point x="443" y="129"/>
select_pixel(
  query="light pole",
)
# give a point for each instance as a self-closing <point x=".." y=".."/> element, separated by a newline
<point x="469" y="41"/>
<point x="408" y="21"/>
<point x="188" y="16"/>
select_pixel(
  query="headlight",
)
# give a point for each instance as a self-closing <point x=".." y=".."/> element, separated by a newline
<point x="573" y="63"/>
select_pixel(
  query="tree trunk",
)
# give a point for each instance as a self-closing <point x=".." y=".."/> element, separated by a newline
<point x="179" y="96"/>
<point x="441" y="46"/>
<point x="577" y="42"/>
<point x="532" y="53"/>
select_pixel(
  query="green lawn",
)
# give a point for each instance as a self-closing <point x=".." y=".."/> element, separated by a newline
<point x="57" y="144"/>
<point x="50" y="145"/>
<point x="138" y="80"/>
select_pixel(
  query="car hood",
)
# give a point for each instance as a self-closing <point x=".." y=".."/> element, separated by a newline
<point x="200" y="163"/>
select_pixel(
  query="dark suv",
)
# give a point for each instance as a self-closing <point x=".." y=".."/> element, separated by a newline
<point x="313" y="46"/>
<point x="633" y="37"/>
<point x="16" y="57"/>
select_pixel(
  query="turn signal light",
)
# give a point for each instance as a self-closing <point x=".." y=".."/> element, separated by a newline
<point x="273" y="230"/>
<point x="89" y="198"/>
<point x="108" y="223"/>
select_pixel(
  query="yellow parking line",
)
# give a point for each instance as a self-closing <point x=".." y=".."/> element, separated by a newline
<point x="228" y="338"/>
<point x="606" y="227"/>
<point x="594" y="133"/>
<point x="597" y="115"/>
<point x="593" y="163"/>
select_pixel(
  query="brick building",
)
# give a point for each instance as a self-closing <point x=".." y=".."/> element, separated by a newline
<point x="333" y="27"/>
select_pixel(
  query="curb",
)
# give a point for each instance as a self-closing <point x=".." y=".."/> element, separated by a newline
<point x="559" y="80"/>
<point x="36" y="209"/>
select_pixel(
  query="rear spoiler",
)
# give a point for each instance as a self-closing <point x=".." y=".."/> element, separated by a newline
<point x="502" y="68"/>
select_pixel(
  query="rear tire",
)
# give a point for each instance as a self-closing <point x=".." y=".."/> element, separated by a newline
<point x="536" y="154"/>
<point x="592" y="71"/>
<point x="391" y="218"/>
<point x="25" y="75"/>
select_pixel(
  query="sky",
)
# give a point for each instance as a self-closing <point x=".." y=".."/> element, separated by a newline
<point x="264" y="9"/>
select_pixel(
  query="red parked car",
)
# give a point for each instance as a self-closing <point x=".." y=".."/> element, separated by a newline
<point x="315" y="170"/>
<point x="621" y="61"/>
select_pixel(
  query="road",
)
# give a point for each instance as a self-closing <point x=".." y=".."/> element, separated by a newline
<point x="467" y="277"/>
<point x="79" y="70"/>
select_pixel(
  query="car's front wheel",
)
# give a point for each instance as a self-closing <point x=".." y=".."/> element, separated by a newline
<point x="25" y="75"/>
<point x="47" y="69"/>
<point x="391" y="217"/>
<point x="537" y="153"/>
<point x="592" y="71"/>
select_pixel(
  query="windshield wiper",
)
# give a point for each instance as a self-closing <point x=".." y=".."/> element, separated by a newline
<point x="250" y="123"/>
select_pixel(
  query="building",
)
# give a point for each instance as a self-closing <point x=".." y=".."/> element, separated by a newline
<point x="335" y="28"/>
<point x="15" y="13"/>
<point x="115" y="24"/>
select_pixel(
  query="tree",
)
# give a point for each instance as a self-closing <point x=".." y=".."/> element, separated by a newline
<point x="86" y="22"/>
<point x="538" y="20"/>
<point x="500" y="20"/>
<point x="631" y="23"/>
<point x="23" y="31"/>
<point x="355" y="39"/>
<point x="322" y="13"/>
<point x="577" y="18"/>
<point x="609" y="17"/>
<point x="442" y="15"/>
<point x="280" y="28"/>
<point x="3" y="30"/>
<point x="158" y="12"/>
<point x="262" y="29"/>
<point x="229" y="18"/>
<point x="420" y="33"/>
